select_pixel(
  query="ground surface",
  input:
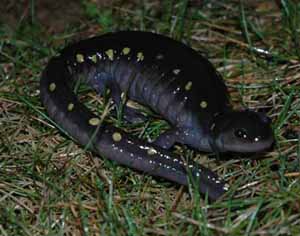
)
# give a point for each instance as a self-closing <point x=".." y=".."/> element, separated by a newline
<point x="51" y="186"/>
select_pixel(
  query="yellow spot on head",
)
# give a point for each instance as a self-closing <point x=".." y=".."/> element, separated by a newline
<point x="140" y="56"/>
<point x="203" y="104"/>
<point x="110" y="54"/>
<point x="188" y="86"/>
<point x="126" y="51"/>
<point x="116" y="136"/>
<point x="79" y="58"/>
<point x="94" y="121"/>
<point x="151" y="151"/>
<point x="70" y="106"/>
<point x="94" y="58"/>
<point x="52" y="87"/>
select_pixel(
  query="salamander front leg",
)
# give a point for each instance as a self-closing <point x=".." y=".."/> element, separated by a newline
<point x="167" y="139"/>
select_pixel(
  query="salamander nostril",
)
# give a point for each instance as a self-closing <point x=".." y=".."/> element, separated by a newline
<point x="241" y="133"/>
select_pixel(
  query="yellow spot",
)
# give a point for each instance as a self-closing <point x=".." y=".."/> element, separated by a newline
<point x="70" y="106"/>
<point x="203" y="104"/>
<point x="117" y="137"/>
<point x="140" y="56"/>
<point x="94" y="121"/>
<point x="110" y="54"/>
<point x="126" y="50"/>
<point x="94" y="58"/>
<point x="151" y="151"/>
<point x="79" y="58"/>
<point x="188" y="86"/>
<point x="52" y="87"/>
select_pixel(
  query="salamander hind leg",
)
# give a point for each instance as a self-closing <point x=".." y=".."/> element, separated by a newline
<point x="119" y="97"/>
<point x="100" y="82"/>
<point x="132" y="115"/>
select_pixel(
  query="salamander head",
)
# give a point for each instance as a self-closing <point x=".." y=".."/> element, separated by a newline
<point x="242" y="131"/>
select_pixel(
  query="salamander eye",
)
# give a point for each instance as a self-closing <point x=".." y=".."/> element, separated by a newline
<point x="241" y="133"/>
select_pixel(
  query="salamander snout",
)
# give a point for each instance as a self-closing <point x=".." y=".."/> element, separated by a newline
<point x="242" y="131"/>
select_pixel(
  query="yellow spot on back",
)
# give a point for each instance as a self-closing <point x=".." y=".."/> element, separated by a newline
<point x="151" y="151"/>
<point x="126" y="51"/>
<point x="188" y="86"/>
<point x="79" y="58"/>
<point x="110" y="54"/>
<point x="94" y="58"/>
<point x="140" y="56"/>
<point x="70" y="106"/>
<point x="94" y="121"/>
<point x="203" y="104"/>
<point x="116" y="136"/>
<point x="52" y="87"/>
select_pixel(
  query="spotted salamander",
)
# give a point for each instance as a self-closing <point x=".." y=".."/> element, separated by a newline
<point x="174" y="81"/>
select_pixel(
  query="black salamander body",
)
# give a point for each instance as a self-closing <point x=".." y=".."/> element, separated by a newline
<point x="170" y="78"/>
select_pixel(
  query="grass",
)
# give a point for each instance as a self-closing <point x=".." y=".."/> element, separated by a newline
<point x="51" y="186"/>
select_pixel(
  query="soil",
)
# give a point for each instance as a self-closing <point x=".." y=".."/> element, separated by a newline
<point x="53" y="15"/>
